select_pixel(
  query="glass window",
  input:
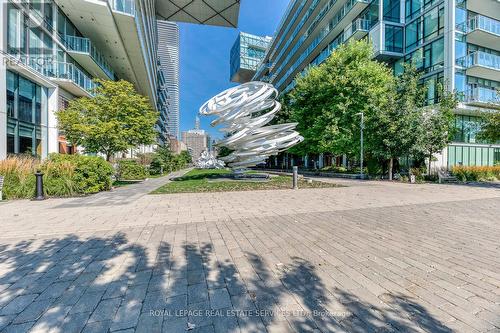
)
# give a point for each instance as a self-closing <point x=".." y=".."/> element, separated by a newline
<point x="437" y="52"/>
<point x="460" y="83"/>
<point x="392" y="10"/>
<point x="25" y="100"/>
<point x="412" y="7"/>
<point x="431" y="24"/>
<point x="38" y="105"/>
<point x="61" y="23"/>
<point x="11" y="91"/>
<point x="13" y="29"/>
<point x="413" y="33"/>
<point x="393" y="38"/>
<point x="10" y="144"/>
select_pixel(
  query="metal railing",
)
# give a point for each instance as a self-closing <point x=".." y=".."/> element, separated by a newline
<point x="482" y="95"/>
<point x="357" y="25"/>
<point x="480" y="58"/>
<point x="484" y="23"/>
<point x="84" y="45"/>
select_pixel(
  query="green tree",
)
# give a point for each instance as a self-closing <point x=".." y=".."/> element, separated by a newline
<point x="116" y="118"/>
<point x="490" y="128"/>
<point x="326" y="101"/>
<point x="398" y="127"/>
<point x="438" y="125"/>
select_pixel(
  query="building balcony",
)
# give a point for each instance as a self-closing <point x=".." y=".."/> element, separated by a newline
<point x="481" y="64"/>
<point x="387" y="45"/>
<point x="481" y="96"/>
<point x="70" y="78"/>
<point x="65" y="75"/>
<point x="485" y="7"/>
<point x="82" y="50"/>
<point x="357" y="30"/>
<point x="483" y="31"/>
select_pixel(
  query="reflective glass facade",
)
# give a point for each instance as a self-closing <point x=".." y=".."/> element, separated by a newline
<point x="246" y="55"/>
<point x="26" y="101"/>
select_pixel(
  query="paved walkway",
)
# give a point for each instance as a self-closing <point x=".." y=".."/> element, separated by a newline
<point x="370" y="257"/>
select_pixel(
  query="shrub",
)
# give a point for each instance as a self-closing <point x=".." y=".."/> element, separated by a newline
<point x="157" y="165"/>
<point x="476" y="173"/>
<point x="91" y="174"/>
<point x="64" y="175"/>
<point x="131" y="170"/>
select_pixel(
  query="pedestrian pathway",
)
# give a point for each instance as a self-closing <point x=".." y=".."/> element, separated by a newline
<point x="123" y="195"/>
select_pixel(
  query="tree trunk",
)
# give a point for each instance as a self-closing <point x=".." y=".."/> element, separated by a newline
<point x="108" y="157"/>
<point x="430" y="161"/>
<point x="391" y="165"/>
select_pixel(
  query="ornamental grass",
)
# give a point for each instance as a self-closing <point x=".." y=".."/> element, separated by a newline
<point x="476" y="173"/>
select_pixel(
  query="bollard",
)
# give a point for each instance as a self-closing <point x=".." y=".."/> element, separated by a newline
<point x="295" y="178"/>
<point x="39" y="186"/>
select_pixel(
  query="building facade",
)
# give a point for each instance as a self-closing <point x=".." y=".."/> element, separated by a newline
<point x="52" y="50"/>
<point x="196" y="142"/>
<point x="246" y="55"/>
<point x="168" y="53"/>
<point x="455" y="42"/>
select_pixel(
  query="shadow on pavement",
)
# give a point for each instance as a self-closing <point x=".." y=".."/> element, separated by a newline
<point x="101" y="284"/>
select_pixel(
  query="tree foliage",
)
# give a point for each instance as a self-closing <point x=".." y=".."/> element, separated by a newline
<point x="437" y="124"/>
<point x="490" y="128"/>
<point x="114" y="119"/>
<point x="327" y="100"/>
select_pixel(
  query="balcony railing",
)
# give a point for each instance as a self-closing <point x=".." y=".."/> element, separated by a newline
<point x="357" y="25"/>
<point x="84" y="45"/>
<point x="57" y="70"/>
<point x="124" y="6"/>
<point x="68" y="71"/>
<point x="481" y="95"/>
<point x="480" y="58"/>
<point x="484" y="23"/>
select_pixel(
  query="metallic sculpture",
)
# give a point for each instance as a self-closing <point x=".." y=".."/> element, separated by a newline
<point x="208" y="161"/>
<point x="243" y="111"/>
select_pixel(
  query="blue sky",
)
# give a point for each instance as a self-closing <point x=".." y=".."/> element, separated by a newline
<point x="204" y="56"/>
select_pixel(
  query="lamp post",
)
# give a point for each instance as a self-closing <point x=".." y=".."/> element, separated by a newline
<point x="362" y="125"/>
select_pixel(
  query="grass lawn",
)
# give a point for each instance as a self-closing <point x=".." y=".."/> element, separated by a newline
<point x="122" y="183"/>
<point x="206" y="181"/>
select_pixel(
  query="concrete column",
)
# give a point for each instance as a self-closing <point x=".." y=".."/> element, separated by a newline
<point x="449" y="43"/>
<point x="321" y="161"/>
<point x="344" y="161"/>
<point x="3" y="82"/>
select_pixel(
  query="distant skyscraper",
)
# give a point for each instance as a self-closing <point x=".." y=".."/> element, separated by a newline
<point x="168" y="52"/>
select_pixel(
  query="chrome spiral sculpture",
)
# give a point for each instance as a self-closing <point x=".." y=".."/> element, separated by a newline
<point x="243" y="111"/>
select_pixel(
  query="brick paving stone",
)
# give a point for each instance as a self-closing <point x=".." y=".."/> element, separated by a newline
<point x="88" y="302"/>
<point x="378" y="255"/>
<point x="97" y="327"/>
<point x="105" y="310"/>
<point x="18" y="304"/>
<point x="33" y="311"/>
<point x="219" y="299"/>
<point x="18" y="328"/>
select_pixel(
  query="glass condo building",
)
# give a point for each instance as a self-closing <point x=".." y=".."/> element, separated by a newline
<point x="456" y="42"/>
<point x="168" y="53"/>
<point x="246" y="55"/>
<point x="52" y="50"/>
